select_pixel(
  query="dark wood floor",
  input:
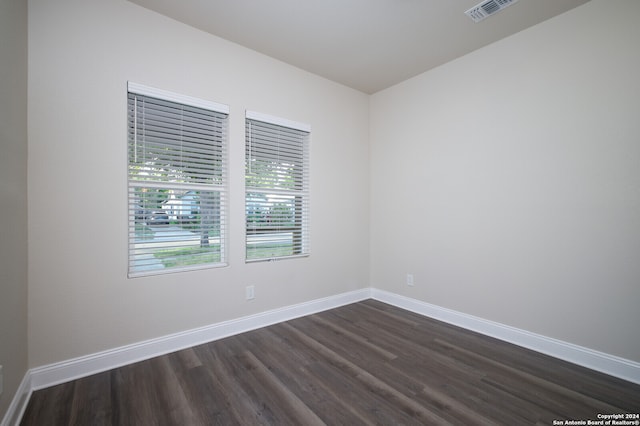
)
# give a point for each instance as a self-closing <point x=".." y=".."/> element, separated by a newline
<point x="366" y="363"/>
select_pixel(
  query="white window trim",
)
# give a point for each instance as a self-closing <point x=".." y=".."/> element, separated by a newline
<point x="143" y="90"/>
<point x="271" y="119"/>
<point x="266" y="118"/>
<point x="176" y="97"/>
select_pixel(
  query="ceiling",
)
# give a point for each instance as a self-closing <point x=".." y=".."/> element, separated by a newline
<point x="368" y="45"/>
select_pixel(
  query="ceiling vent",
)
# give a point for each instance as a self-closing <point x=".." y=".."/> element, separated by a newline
<point x="487" y="8"/>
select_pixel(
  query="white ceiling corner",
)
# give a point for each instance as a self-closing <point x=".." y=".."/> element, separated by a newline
<point x="368" y="45"/>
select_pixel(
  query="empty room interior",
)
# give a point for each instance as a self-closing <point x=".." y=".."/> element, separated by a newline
<point x="482" y="177"/>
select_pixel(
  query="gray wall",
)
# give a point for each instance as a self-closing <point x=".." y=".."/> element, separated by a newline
<point x="508" y="181"/>
<point x="81" y="55"/>
<point x="13" y="196"/>
<point x="505" y="181"/>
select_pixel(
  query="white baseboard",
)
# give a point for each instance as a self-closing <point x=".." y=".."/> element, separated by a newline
<point x="61" y="372"/>
<point x="18" y="403"/>
<point x="65" y="371"/>
<point x="594" y="360"/>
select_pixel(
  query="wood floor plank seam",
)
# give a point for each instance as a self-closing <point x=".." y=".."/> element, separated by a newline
<point x="541" y="383"/>
<point x="298" y="409"/>
<point x="372" y="381"/>
<point x="367" y="363"/>
<point x="354" y="337"/>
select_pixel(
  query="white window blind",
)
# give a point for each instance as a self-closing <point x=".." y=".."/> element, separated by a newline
<point x="277" y="187"/>
<point x="177" y="181"/>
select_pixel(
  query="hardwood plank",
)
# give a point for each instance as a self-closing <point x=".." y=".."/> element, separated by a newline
<point x="51" y="405"/>
<point x="134" y="397"/>
<point x="292" y="367"/>
<point x="91" y="402"/>
<point x="295" y="408"/>
<point x="221" y="393"/>
<point x="245" y="405"/>
<point x="367" y="363"/>
<point x="444" y="379"/>
<point x="372" y="383"/>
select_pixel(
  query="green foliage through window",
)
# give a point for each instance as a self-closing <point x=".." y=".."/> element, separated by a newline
<point x="277" y="198"/>
<point x="177" y="186"/>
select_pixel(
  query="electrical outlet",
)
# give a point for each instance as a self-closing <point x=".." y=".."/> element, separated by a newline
<point x="410" y="280"/>
<point x="250" y="291"/>
<point x="1" y="387"/>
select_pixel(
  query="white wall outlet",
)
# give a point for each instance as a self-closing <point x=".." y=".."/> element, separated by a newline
<point x="410" y="279"/>
<point x="251" y="292"/>
<point x="1" y="387"/>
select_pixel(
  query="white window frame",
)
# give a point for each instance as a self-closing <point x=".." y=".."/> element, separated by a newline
<point x="184" y="157"/>
<point x="269" y="195"/>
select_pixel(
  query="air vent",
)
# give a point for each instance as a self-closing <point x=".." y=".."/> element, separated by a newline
<point x="487" y="8"/>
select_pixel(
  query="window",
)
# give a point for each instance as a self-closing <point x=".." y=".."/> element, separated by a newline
<point x="277" y="187"/>
<point x="177" y="181"/>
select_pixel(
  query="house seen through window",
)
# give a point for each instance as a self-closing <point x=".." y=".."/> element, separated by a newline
<point x="177" y="181"/>
<point x="277" y="187"/>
